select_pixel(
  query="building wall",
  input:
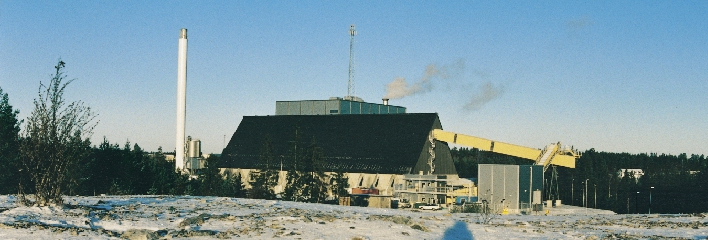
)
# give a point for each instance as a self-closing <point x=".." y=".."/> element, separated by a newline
<point x="424" y="198"/>
<point x="334" y="106"/>
<point x="530" y="179"/>
<point x="383" y="182"/>
<point x="499" y="182"/>
<point x="356" y="180"/>
<point x="379" y="201"/>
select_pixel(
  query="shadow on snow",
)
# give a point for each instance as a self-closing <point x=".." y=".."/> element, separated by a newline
<point x="458" y="231"/>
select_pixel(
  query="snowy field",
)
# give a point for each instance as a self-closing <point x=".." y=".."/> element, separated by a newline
<point x="184" y="217"/>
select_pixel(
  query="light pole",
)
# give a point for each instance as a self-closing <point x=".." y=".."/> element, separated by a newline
<point x="651" y="188"/>
<point x="586" y="192"/>
<point x="582" y="190"/>
<point x="595" y="185"/>
<point x="636" y="202"/>
<point x="572" y="192"/>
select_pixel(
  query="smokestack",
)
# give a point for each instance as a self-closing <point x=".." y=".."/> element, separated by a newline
<point x="181" y="100"/>
<point x="385" y="101"/>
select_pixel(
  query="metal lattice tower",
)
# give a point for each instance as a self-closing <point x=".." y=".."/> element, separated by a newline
<point x="350" y="86"/>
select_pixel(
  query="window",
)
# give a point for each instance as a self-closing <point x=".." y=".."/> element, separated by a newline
<point x="333" y="111"/>
<point x="377" y="183"/>
<point x="361" y="182"/>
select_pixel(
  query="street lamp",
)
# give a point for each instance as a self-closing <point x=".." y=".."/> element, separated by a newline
<point x="582" y="190"/>
<point x="595" y="185"/>
<point x="651" y="188"/>
<point x="636" y="202"/>
<point x="572" y="192"/>
<point x="586" y="192"/>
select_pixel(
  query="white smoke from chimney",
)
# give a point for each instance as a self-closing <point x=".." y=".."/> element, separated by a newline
<point x="487" y="93"/>
<point x="400" y="88"/>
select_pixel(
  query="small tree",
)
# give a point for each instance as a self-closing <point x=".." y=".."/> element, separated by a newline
<point x="267" y="177"/>
<point x="315" y="187"/>
<point x="55" y="138"/>
<point x="211" y="179"/>
<point x="341" y="184"/>
<point x="295" y="177"/>
<point x="232" y="186"/>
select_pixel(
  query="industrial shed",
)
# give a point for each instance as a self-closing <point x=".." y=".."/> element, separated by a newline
<point x="366" y="143"/>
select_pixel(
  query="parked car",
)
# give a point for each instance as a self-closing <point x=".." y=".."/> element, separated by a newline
<point x="429" y="207"/>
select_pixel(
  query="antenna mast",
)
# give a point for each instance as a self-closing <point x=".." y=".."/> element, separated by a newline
<point x="350" y="87"/>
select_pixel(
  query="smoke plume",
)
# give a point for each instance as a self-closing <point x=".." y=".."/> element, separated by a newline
<point x="433" y="75"/>
<point x="400" y="88"/>
<point x="487" y="93"/>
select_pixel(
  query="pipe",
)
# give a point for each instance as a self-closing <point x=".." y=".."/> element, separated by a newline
<point x="181" y="100"/>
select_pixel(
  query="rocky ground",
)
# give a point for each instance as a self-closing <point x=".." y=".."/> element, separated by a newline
<point x="167" y="217"/>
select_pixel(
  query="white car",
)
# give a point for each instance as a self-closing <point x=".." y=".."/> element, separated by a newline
<point x="429" y="207"/>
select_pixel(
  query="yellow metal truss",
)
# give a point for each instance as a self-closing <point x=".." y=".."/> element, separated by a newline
<point x="558" y="157"/>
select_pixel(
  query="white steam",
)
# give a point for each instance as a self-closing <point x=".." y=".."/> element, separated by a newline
<point x="487" y="93"/>
<point x="400" y="88"/>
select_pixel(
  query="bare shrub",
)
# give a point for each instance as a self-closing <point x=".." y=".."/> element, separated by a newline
<point x="55" y="138"/>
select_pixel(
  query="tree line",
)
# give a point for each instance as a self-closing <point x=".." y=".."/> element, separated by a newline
<point x="605" y="180"/>
<point x="306" y="180"/>
<point x="54" y="156"/>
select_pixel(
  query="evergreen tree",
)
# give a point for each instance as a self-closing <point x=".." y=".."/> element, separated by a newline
<point x="212" y="182"/>
<point x="233" y="186"/>
<point x="341" y="184"/>
<point x="295" y="177"/>
<point x="315" y="185"/>
<point x="9" y="146"/>
<point x="266" y="178"/>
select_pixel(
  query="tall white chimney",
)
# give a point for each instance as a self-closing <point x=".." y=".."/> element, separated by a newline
<point x="181" y="100"/>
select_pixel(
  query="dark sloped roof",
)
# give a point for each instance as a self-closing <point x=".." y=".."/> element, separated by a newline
<point x="395" y="143"/>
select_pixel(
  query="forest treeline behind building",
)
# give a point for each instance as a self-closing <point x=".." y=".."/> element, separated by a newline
<point x="680" y="182"/>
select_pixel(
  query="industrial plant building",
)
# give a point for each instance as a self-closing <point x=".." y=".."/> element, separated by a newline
<point x="377" y="146"/>
<point x="385" y="153"/>
<point x="381" y="149"/>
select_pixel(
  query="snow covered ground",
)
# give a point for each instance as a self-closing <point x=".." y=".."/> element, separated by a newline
<point x="166" y="217"/>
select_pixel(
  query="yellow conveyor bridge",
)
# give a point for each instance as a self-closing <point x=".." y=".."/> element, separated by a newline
<point x="552" y="154"/>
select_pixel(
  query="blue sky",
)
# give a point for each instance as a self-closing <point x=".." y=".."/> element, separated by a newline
<point x="628" y="76"/>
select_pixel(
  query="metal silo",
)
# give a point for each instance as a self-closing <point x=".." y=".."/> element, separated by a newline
<point x="195" y="148"/>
